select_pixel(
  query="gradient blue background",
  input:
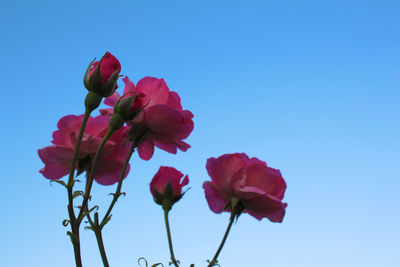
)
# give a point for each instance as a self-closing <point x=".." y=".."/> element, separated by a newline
<point x="311" y="87"/>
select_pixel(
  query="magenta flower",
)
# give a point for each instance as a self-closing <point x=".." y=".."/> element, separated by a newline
<point x="167" y="184"/>
<point x="57" y="158"/>
<point x="166" y="123"/>
<point x="103" y="79"/>
<point x="259" y="188"/>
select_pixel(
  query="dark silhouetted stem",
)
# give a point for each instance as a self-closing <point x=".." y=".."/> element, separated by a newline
<point x="72" y="219"/>
<point x="169" y="238"/>
<point x="118" y="191"/>
<point x="101" y="247"/>
<point x="214" y="260"/>
<point x="96" y="227"/>
<point x="89" y="180"/>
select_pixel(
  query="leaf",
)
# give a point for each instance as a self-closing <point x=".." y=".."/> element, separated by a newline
<point x="78" y="193"/>
<point x="157" y="264"/>
<point x="107" y="220"/>
<point x="215" y="263"/>
<point x="65" y="222"/>
<point x="88" y="228"/>
<point x="58" y="182"/>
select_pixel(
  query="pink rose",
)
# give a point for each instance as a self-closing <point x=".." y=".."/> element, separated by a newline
<point x="236" y="177"/>
<point x="166" y="123"/>
<point x="57" y="158"/>
<point x="103" y="79"/>
<point x="167" y="185"/>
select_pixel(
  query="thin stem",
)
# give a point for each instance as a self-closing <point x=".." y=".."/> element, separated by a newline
<point x="89" y="180"/>
<point x="99" y="238"/>
<point x="77" y="147"/>
<point x="100" y="243"/>
<point x="74" y="224"/>
<point x="97" y="228"/>
<point x="166" y="211"/>
<point x="118" y="191"/>
<point x="214" y="260"/>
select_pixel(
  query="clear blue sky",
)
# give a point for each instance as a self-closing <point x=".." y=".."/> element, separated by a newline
<point x="311" y="87"/>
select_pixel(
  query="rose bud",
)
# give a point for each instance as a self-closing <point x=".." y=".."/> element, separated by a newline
<point x="125" y="110"/>
<point x="166" y="186"/>
<point x="242" y="184"/>
<point x="101" y="76"/>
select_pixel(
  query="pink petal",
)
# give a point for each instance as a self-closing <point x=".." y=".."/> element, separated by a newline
<point x="166" y="145"/>
<point x="111" y="100"/>
<point x="96" y="125"/>
<point x="55" y="154"/>
<point x="223" y="169"/>
<point x="129" y="86"/>
<point x="66" y="125"/>
<point x="146" y="149"/>
<point x="267" y="179"/>
<point x="55" y="171"/>
<point x="262" y="205"/>
<point x="155" y="90"/>
<point x="215" y="198"/>
<point x="108" y="171"/>
<point x="185" y="180"/>
<point x="174" y="101"/>
<point x="274" y="214"/>
<point x="182" y="145"/>
<point x="107" y="112"/>
<point x="163" y="120"/>
<point x="109" y="64"/>
<point x="57" y="161"/>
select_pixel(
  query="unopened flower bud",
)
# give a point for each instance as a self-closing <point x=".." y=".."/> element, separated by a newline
<point x="166" y="186"/>
<point x="101" y="76"/>
<point x="128" y="107"/>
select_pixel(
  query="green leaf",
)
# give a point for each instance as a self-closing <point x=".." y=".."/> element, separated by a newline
<point x="215" y="264"/>
<point x="78" y="193"/>
<point x="108" y="219"/>
<point x="58" y="182"/>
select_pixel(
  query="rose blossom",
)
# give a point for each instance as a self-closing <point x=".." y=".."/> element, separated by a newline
<point x="103" y="79"/>
<point x="260" y="189"/>
<point x="57" y="158"/>
<point x="167" y="184"/>
<point x="166" y="124"/>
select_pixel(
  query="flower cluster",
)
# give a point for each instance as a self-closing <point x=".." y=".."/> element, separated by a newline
<point x="58" y="157"/>
<point x="145" y="116"/>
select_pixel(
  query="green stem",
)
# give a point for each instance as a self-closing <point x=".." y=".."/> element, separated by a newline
<point x="89" y="180"/>
<point x="99" y="238"/>
<point x="214" y="260"/>
<point x="100" y="243"/>
<point x="118" y="191"/>
<point x="97" y="228"/>
<point x="71" y="213"/>
<point x="166" y="211"/>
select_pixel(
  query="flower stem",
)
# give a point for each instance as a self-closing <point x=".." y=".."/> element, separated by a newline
<point x="214" y="260"/>
<point x="74" y="224"/>
<point x="100" y="243"/>
<point x="166" y="211"/>
<point x="96" y="227"/>
<point x="118" y="191"/>
<point x="89" y="180"/>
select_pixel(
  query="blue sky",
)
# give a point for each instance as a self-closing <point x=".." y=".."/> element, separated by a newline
<point x="310" y="87"/>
